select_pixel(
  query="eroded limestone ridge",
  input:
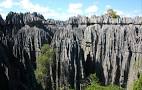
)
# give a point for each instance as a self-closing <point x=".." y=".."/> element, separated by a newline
<point x="111" y="48"/>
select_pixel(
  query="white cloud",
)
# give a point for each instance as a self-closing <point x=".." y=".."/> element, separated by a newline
<point x="107" y="7"/>
<point x="31" y="7"/>
<point x="6" y="4"/>
<point x="47" y="12"/>
<point x="91" y="10"/>
<point x="75" y="8"/>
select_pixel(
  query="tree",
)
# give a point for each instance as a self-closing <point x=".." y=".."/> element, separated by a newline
<point x="44" y="62"/>
<point x="96" y="85"/>
<point x="112" y="13"/>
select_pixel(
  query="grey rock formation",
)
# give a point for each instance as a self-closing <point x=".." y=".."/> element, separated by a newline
<point x="69" y="59"/>
<point x="29" y="39"/>
<point x="111" y="48"/>
<point x="22" y="36"/>
<point x="116" y="48"/>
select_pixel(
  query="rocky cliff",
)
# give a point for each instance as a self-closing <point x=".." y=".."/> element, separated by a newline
<point x="111" y="48"/>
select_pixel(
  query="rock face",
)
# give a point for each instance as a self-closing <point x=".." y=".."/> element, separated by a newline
<point x="21" y="37"/>
<point x="111" y="48"/>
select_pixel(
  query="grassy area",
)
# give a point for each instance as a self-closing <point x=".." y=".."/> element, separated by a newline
<point x="138" y="84"/>
<point x="95" y="85"/>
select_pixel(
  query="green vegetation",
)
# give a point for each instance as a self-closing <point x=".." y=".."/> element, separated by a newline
<point x="138" y="84"/>
<point x="43" y="62"/>
<point x="95" y="85"/>
<point x="112" y="13"/>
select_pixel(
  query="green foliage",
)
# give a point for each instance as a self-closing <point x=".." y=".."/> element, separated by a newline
<point x="138" y="84"/>
<point x="95" y="85"/>
<point x="112" y="13"/>
<point x="43" y="62"/>
<point x="94" y="78"/>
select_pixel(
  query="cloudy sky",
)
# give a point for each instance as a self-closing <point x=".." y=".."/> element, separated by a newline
<point x="62" y="9"/>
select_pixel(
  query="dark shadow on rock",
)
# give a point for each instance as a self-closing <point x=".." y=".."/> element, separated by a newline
<point x="117" y="70"/>
<point x="99" y="72"/>
<point x="3" y="78"/>
<point x="89" y="65"/>
<point x="14" y="74"/>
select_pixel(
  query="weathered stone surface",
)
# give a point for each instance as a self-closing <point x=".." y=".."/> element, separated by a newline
<point x="138" y="20"/>
<point x="23" y="43"/>
<point x="68" y="60"/>
<point x="29" y="39"/>
<point x="111" y="48"/>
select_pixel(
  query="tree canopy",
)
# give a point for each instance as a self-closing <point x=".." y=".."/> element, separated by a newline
<point x="112" y="13"/>
<point x="43" y="62"/>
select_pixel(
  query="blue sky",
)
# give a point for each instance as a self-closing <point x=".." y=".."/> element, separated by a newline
<point x="63" y="9"/>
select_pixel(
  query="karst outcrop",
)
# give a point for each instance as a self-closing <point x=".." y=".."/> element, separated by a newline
<point x="111" y="48"/>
